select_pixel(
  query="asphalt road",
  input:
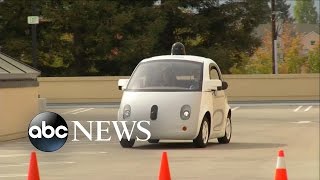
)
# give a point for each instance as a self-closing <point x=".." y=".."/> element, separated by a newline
<point x="259" y="131"/>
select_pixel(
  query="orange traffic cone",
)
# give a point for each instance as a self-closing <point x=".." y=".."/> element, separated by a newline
<point x="281" y="171"/>
<point x="164" y="168"/>
<point x="33" y="173"/>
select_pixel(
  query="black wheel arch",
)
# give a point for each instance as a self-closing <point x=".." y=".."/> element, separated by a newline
<point x="208" y="116"/>
<point x="229" y="114"/>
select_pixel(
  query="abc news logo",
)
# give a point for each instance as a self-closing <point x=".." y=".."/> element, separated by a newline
<point x="48" y="131"/>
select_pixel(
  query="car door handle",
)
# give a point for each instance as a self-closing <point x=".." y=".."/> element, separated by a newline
<point x="154" y="112"/>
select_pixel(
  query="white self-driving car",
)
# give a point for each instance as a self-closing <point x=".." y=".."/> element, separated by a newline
<point x="182" y="96"/>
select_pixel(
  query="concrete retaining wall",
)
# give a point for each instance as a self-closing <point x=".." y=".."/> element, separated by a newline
<point x="241" y="88"/>
<point x="17" y="108"/>
<point x="273" y="87"/>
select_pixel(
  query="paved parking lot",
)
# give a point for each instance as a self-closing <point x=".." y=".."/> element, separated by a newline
<point x="259" y="131"/>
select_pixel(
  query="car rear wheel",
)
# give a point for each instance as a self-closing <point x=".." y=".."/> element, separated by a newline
<point x="125" y="143"/>
<point x="153" y="141"/>
<point x="227" y="135"/>
<point x="202" y="139"/>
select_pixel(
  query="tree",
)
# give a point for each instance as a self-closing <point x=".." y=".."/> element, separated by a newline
<point x="106" y="37"/>
<point x="293" y="61"/>
<point x="15" y="37"/>
<point x="223" y="32"/>
<point x="305" y="12"/>
<point x="290" y="46"/>
<point x="283" y="8"/>
<point x="15" y="33"/>
<point x="260" y="62"/>
<point x="314" y="60"/>
<point x="102" y="37"/>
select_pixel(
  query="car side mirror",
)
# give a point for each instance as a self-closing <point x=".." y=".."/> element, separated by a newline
<point x="224" y="86"/>
<point x="122" y="84"/>
<point x="212" y="84"/>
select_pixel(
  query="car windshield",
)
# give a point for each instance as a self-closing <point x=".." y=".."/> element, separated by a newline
<point x="167" y="75"/>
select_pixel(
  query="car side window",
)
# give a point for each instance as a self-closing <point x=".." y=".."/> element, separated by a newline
<point x="214" y="72"/>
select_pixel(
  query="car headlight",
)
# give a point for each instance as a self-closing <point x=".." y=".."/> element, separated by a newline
<point x="185" y="112"/>
<point x="126" y="111"/>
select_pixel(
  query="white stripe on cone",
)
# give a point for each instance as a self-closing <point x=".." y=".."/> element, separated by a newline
<point x="281" y="163"/>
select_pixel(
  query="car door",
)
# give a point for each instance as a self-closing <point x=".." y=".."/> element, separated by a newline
<point x="218" y="99"/>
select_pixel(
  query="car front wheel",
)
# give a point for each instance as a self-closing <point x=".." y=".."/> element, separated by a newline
<point x="227" y="135"/>
<point x="127" y="143"/>
<point x="202" y="139"/>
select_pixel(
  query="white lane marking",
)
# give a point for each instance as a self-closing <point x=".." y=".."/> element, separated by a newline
<point x="302" y="122"/>
<point x="298" y="108"/>
<point x="13" y="165"/>
<point x="79" y="109"/>
<point x="233" y="109"/>
<point x="13" y="155"/>
<point x="40" y="163"/>
<point x="102" y="152"/>
<point x="58" y="162"/>
<point x="83" y="111"/>
<point x="86" y="153"/>
<point x="308" y="109"/>
<point x="13" y="175"/>
<point x="24" y="155"/>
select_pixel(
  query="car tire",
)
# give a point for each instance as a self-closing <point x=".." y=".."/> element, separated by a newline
<point x="227" y="133"/>
<point x="125" y="143"/>
<point x="202" y="139"/>
<point x="153" y="141"/>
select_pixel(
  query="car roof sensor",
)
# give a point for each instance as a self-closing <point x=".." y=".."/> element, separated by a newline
<point x="178" y="49"/>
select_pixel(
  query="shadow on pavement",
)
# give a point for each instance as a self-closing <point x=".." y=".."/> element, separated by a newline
<point x="211" y="146"/>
